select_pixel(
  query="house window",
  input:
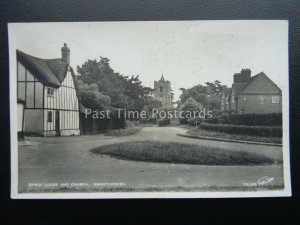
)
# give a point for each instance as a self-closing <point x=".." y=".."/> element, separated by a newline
<point x="232" y="99"/>
<point x="50" y="92"/>
<point x="49" y="116"/>
<point x="161" y="89"/>
<point x="262" y="100"/>
<point x="243" y="111"/>
<point x="275" y="99"/>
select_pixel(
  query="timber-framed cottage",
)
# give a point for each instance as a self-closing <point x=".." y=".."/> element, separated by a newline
<point x="47" y="98"/>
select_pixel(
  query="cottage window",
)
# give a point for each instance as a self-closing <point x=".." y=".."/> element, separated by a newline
<point x="49" y="116"/>
<point x="50" y="92"/>
<point x="275" y="99"/>
<point x="262" y="100"/>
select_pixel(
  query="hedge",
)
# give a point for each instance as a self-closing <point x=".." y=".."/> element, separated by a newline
<point x="264" y="131"/>
<point x="163" y="122"/>
<point x="270" y="119"/>
<point x="182" y="121"/>
<point x="194" y="122"/>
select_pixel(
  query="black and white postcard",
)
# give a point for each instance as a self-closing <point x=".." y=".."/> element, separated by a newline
<point x="150" y="109"/>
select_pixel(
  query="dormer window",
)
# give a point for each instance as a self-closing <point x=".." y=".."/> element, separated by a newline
<point x="50" y="92"/>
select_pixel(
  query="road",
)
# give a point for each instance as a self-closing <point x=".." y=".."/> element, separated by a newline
<point x="69" y="160"/>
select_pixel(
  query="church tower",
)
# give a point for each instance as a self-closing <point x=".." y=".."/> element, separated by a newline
<point x="162" y="92"/>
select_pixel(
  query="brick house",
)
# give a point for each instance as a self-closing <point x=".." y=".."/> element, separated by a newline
<point x="256" y="94"/>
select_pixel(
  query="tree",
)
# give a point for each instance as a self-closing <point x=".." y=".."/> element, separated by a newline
<point x="215" y="88"/>
<point x="209" y="95"/>
<point x="123" y="92"/>
<point x="92" y="98"/>
<point x="151" y="104"/>
<point x="191" y="105"/>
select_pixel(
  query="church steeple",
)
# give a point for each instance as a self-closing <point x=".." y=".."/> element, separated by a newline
<point x="162" y="92"/>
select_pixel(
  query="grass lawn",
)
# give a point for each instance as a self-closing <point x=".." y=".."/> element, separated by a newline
<point x="205" y="133"/>
<point x="172" y="152"/>
<point x="123" y="132"/>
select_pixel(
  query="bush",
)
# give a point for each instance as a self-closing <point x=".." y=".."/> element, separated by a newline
<point x="129" y="123"/>
<point x="214" y="120"/>
<point x="194" y="122"/>
<point x="182" y="121"/>
<point x="164" y="122"/>
<point x="147" y="120"/>
<point x="264" y="131"/>
<point x="123" y="132"/>
<point x="270" y="119"/>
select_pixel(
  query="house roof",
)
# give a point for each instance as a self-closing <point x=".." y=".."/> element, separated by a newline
<point x="258" y="76"/>
<point x="50" y="72"/>
<point x="237" y="88"/>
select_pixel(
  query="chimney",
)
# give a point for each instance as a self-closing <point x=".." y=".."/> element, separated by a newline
<point x="65" y="54"/>
<point x="246" y="74"/>
<point x="242" y="77"/>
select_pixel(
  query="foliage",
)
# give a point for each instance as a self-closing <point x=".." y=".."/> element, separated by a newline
<point x="194" y="121"/>
<point x="264" y="131"/>
<point x="123" y="132"/>
<point x="164" y="122"/>
<point x="209" y="95"/>
<point x="92" y="98"/>
<point x="150" y="105"/>
<point x="124" y="92"/>
<point x="191" y="105"/>
<point x="270" y="119"/>
<point x="183" y="121"/>
<point x="196" y="132"/>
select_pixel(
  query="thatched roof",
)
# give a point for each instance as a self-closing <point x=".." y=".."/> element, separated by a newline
<point x="50" y="72"/>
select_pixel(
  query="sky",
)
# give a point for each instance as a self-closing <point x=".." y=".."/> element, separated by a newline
<point x="187" y="53"/>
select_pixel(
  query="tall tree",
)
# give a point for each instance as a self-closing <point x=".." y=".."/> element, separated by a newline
<point x="123" y="92"/>
<point x="209" y="95"/>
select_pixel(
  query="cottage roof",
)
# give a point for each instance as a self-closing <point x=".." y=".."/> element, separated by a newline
<point x="50" y="72"/>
